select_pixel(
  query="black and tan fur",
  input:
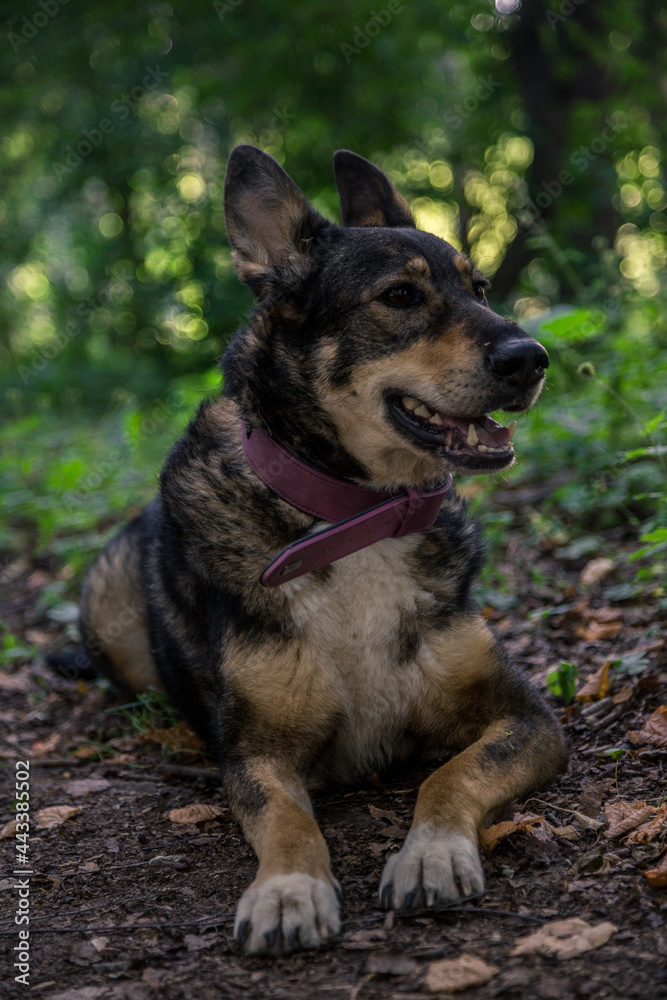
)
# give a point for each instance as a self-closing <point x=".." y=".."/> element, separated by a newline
<point x="382" y="654"/>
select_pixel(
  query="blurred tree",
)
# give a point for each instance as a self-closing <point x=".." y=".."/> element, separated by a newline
<point x="117" y="123"/>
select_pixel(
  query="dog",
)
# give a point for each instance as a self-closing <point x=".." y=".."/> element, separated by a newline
<point x="301" y="586"/>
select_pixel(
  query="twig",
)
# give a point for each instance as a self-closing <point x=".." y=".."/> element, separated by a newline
<point x="97" y="906"/>
<point x="215" y="918"/>
<point x="182" y="771"/>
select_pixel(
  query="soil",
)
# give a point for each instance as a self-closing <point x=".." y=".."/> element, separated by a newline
<point x="126" y="903"/>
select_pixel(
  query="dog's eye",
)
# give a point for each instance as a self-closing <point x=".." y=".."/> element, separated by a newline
<point x="479" y="288"/>
<point x="400" y="295"/>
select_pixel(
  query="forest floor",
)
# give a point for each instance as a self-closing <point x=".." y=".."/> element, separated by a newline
<point x="127" y="903"/>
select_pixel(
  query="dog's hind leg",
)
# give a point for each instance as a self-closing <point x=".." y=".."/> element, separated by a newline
<point x="113" y="614"/>
<point x="512" y="745"/>
<point x="294" y="901"/>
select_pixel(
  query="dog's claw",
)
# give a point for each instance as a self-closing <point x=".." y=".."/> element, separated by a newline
<point x="242" y="931"/>
<point x="293" y="937"/>
<point x="386" y="899"/>
<point x="339" y="892"/>
<point x="271" y="937"/>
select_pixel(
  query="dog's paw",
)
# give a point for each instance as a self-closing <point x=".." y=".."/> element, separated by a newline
<point x="287" y="912"/>
<point x="433" y="866"/>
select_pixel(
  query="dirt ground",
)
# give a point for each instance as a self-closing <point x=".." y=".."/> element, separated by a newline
<point x="128" y="903"/>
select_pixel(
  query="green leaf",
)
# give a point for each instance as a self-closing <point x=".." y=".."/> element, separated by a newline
<point x="562" y="682"/>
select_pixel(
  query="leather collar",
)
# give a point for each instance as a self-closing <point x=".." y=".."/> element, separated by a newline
<point x="359" y="516"/>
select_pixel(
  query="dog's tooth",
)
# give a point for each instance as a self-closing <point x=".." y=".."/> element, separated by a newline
<point x="472" y="438"/>
<point x="512" y="428"/>
<point x="409" y="403"/>
<point x="421" y="411"/>
<point x="482" y="447"/>
<point x="436" y="419"/>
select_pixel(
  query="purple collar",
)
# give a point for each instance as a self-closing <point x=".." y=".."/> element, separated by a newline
<point x="361" y="516"/>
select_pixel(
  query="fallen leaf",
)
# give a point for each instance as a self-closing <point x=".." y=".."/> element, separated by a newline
<point x="657" y="877"/>
<point x="392" y="832"/>
<point x="492" y="835"/>
<point x="8" y="830"/>
<point x="365" y="940"/>
<point x="14" y="682"/>
<point x="387" y="814"/>
<point x="43" y="747"/>
<point x="648" y="831"/>
<point x="565" y="938"/>
<point x="596" y="631"/>
<point x="623" y="816"/>
<point x="597" y="685"/>
<point x="389" y="963"/>
<point x="587" y="822"/>
<point x="568" y="832"/>
<point x="85" y="993"/>
<point x="99" y="943"/>
<point x="83" y="786"/>
<point x="654" y="731"/>
<point x="54" y="816"/>
<point x="595" y="570"/>
<point x="196" y="943"/>
<point x="453" y="974"/>
<point x="622" y="696"/>
<point x="606" y="614"/>
<point x="196" y="812"/>
<point x="179" y="738"/>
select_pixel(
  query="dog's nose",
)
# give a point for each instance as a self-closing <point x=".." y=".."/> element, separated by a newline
<point x="519" y="362"/>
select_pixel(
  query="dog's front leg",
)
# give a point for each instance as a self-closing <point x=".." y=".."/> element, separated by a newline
<point x="294" y="901"/>
<point x="515" y="745"/>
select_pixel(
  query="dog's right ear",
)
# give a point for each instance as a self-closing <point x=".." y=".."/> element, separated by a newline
<point x="367" y="196"/>
<point x="269" y="221"/>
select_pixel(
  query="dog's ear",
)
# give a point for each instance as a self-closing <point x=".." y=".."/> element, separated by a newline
<point x="367" y="196"/>
<point x="270" y="223"/>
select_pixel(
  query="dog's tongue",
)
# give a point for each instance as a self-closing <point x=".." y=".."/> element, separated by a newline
<point x="489" y="431"/>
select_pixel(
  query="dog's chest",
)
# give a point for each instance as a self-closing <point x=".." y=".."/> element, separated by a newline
<point x="362" y="631"/>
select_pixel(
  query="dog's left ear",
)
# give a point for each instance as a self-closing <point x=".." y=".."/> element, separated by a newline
<point x="367" y="196"/>
<point x="270" y="222"/>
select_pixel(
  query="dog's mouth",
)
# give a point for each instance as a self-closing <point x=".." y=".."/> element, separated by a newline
<point x="477" y="443"/>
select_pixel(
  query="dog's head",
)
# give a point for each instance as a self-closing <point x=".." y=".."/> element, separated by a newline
<point x="372" y="351"/>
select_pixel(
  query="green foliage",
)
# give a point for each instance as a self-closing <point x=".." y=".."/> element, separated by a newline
<point x="120" y="290"/>
<point x="151" y="710"/>
<point x="562" y="682"/>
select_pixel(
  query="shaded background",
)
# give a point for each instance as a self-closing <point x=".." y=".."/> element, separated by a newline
<point x="530" y="134"/>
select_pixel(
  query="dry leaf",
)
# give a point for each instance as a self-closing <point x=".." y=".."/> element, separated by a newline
<point x="197" y="812"/>
<point x="606" y="614"/>
<point x="387" y="814"/>
<point x="587" y="822"/>
<point x="83" y="786"/>
<point x="54" y="816"/>
<point x="654" y="730"/>
<point x="595" y="631"/>
<point x="622" y="696"/>
<point x="195" y="942"/>
<point x="623" y="816"/>
<point x="365" y="940"/>
<point x="568" y="832"/>
<point x="596" y="686"/>
<point x="453" y="974"/>
<point x="388" y="963"/>
<point x="498" y="831"/>
<point x="179" y="738"/>
<point x="14" y="682"/>
<point x="648" y="831"/>
<point x="657" y="877"/>
<point x="595" y="570"/>
<point x="565" y="938"/>
<point x="42" y="747"/>
<point x="8" y="830"/>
